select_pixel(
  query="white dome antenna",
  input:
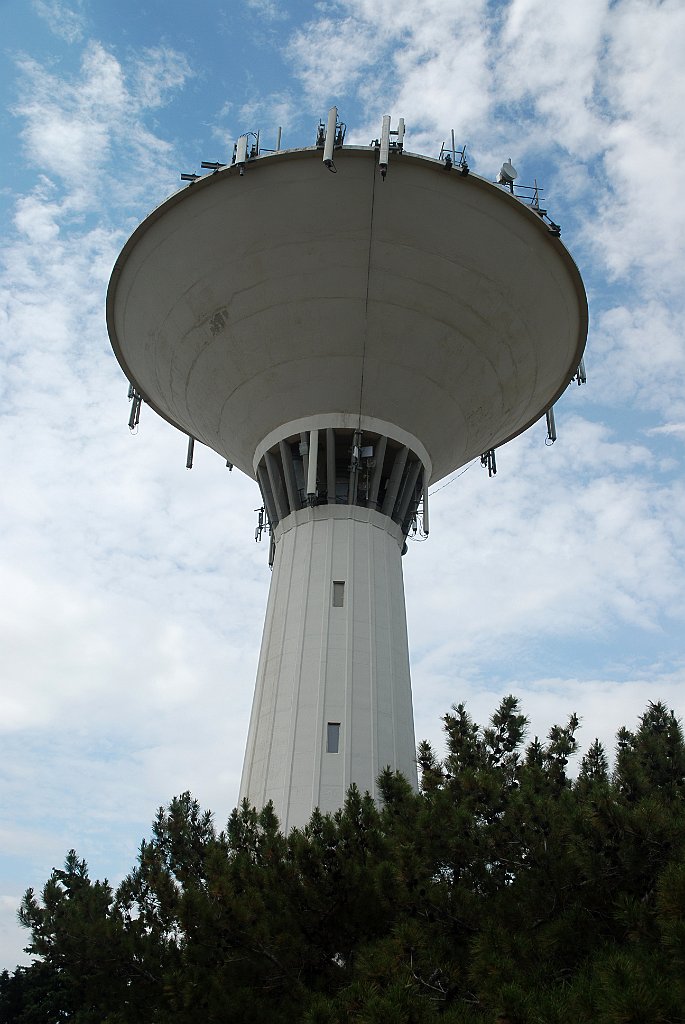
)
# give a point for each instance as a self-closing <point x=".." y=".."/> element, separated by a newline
<point x="507" y="175"/>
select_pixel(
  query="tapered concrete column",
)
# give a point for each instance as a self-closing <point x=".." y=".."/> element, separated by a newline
<point x="334" y="665"/>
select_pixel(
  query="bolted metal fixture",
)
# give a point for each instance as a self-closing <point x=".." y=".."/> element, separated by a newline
<point x="488" y="460"/>
<point x="136" y="401"/>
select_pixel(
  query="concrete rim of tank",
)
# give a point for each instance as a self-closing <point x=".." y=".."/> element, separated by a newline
<point x="368" y="153"/>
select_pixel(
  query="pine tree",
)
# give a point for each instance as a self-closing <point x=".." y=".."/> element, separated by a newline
<point x="506" y="890"/>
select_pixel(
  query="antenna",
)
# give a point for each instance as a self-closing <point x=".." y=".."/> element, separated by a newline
<point x="240" y="154"/>
<point x="551" y="426"/>
<point x="488" y="459"/>
<point x="450" y="155"/>
<point x="136" y="401"/>
<point x="261" y="524"/>
<point x="329" y="142"/>
<point x="191" y="452"/>
<point x="384" y="153"/>
<point x="507" y="175"/>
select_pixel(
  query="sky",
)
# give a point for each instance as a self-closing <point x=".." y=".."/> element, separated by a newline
<point x="133" y="592"/>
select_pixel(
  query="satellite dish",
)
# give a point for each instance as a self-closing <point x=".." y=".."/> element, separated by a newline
<point x="508" y="173"/>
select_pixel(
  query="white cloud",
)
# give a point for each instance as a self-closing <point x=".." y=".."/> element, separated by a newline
<point x="547" y="549"/>
<point x="638" y="354"/>
<point x="72" y="125"/>
<point x="670" y="429"/>
<point x="330" y="55"/>
<point x="268" y="10"/>
<point x="63" y="20"/>
<point x="270" y="111"/>
<point x="157" y="73"/>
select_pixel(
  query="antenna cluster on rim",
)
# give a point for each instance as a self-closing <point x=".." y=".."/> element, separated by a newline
<point x="507" y="177"/>
<point x="330" y="136"/>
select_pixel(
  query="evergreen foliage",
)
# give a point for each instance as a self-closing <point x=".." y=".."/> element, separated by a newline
<point x="505" y="891"/>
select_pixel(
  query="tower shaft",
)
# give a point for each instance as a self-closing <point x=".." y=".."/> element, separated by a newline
<point x="333" y="701"/>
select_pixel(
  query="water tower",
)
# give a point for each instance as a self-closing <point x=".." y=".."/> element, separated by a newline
<point x="346" y="325"/>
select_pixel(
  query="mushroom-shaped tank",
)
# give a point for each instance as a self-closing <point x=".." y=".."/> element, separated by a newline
<point x="345" y="338"/>
<point x="432" y="301"/>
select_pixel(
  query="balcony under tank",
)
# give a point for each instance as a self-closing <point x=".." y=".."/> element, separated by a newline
<point x="341" y="466"/>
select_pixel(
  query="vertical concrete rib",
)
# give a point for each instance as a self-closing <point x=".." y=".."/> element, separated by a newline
<point x="312" y="467"/>
<point x="304" y="557"/>
<point x="349" y="650"/>
<point x="394" y="481"/>
<point x="273" y="774"/>
<point x="276" y="485"/>
<point x="325" y="536"/>
<point x="426" y="515"/>
<point x="267" y="495"/>
<point x="370" y="587"/>
<point x="408" y="492"/>
<point x="330" y="464"/>
<point x="289" y="474"/>
<point x="304" y="448"/>
<point x="379" y="456"/>
<point x="354" y="470"/>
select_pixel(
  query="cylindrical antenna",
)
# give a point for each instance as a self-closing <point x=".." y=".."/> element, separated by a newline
<point x="134" y="418"/>
<point x="241" y="151"/>
<point x="312" y="467"/>
<point x="191" y="452"/>
<point x="330" y="137"/>
<point x="582" y="375"/>
<point x="551" y="426"/>
<point x="384" y="153"/>
<point x="426" y="520"/>
<point x="278" y="139"/>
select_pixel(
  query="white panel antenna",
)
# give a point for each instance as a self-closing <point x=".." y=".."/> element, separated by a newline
<point x="384" y="154"/>
<point x="241" y="153"/>
<point x="329" y="144"/>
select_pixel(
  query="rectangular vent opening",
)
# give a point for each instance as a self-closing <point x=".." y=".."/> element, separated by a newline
<point x="333" y="738"/>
